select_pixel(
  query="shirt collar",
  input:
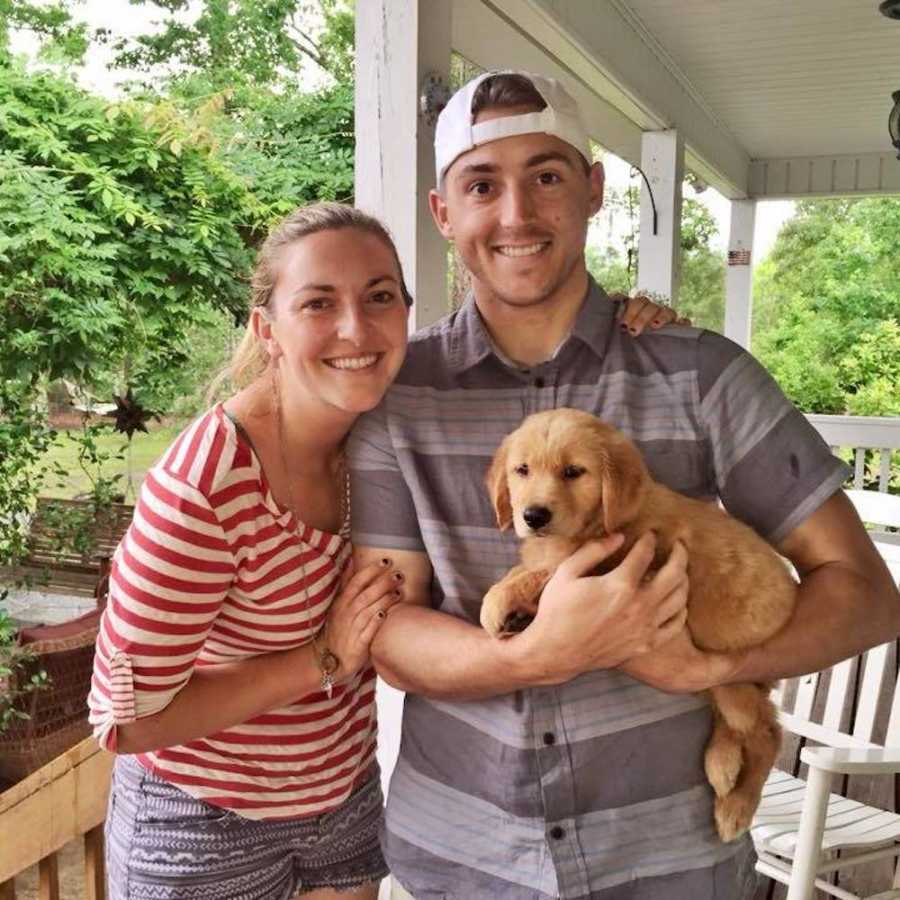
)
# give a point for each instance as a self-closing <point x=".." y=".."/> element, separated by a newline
<point x="471" y="343"/>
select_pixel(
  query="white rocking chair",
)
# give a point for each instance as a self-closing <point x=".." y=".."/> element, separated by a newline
<point x="802" y="832"/>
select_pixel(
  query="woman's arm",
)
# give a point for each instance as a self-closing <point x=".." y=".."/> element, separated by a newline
<point x="222" y="696"/>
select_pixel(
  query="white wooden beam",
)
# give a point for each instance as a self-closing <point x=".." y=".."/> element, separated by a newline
<point x="398" y="42"/>
<point x="659" y="256"/>
<point x="603" y="45"/>
<point x="739" y="273"/>
<point x="825" y="176"/>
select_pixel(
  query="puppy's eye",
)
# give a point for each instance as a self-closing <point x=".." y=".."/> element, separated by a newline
<point x="521" y="469"/>
<point x="570" y="472"/>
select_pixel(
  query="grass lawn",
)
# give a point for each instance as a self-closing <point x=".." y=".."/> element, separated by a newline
<point x="145" y="450"/>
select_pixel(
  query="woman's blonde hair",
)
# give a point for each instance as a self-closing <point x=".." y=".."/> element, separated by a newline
<point x="250" y="359"/>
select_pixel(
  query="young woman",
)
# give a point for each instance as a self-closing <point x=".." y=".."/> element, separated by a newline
<point x="231" y="669"/>
<point x="231" y="672"/>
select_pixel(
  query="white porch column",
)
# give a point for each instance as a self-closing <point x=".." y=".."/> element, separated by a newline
<point x="659" y="255"/>
<point x="397" y="43"/>
<point x="739" y="274"/>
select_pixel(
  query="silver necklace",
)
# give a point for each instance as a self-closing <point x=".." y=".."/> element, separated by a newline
<point x="328" y="662"/>
<point x="343" y="474"/>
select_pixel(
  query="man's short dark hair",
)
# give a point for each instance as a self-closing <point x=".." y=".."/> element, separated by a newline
<point x="506" y="90"/>
<point x="509" y="89"/>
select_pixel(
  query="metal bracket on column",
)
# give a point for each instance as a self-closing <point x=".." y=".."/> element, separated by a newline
<point x="649" y="191"/>
<point x="433" y="97"/>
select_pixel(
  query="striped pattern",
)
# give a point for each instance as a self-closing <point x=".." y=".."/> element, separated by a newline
<point x="847" y="822"/>
<point x="594" y="788"/>
<point x="212" y="571"/>
<point x="162" y="844"/>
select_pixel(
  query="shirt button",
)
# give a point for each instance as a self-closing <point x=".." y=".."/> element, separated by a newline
<point x="538" y="382"/>
<point x="557" y="832"/>
<point x="549" y="738"/>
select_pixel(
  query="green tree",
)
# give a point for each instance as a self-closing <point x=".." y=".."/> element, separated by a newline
<point x="51" y="23"/>
<point x="118" y="225"/>
<point x="233" y="42"/>
<point x="701" y="295"/>
<point x="827" y="306"/>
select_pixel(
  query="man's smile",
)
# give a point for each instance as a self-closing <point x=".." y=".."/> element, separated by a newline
<point x="522" y="249"/>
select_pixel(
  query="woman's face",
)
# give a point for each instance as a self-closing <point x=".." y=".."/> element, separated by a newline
<point x="336" y="325"/>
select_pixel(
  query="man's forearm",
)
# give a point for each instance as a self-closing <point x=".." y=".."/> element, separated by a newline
<point x="839" y="614"/>
<point x="427" y="652"/>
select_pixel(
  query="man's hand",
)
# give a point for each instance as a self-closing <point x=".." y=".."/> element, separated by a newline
<point x="680" y="667"/>
<point x="587" y="622"/>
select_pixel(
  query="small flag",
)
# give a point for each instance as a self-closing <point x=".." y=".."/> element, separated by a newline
<point x="738" y="257"/>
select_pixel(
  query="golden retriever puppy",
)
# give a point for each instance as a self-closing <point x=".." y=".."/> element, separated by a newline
<point x="565" y="477"/>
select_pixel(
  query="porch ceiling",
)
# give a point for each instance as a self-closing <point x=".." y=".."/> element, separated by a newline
<point x="773" y="98"/>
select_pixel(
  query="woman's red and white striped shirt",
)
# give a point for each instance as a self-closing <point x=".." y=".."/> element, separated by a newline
<point x="212" y="570"/>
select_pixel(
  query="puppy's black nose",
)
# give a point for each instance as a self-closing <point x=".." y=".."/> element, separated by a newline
<point x="536" y="516"/>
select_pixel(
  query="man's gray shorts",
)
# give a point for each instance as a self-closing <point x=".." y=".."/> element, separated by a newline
<point x="162" y="844"/>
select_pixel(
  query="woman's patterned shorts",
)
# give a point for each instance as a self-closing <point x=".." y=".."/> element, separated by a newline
<point x="162" y="844"/>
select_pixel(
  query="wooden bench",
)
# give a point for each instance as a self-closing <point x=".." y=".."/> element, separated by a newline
<point x="63" y="562"/>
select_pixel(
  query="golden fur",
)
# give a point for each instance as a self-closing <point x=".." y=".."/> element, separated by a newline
<point x="741" y="592"/>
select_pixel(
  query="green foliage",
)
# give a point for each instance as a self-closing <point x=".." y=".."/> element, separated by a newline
<point x="871" y="372"/>
<point x="827" y="307"/>
<point x="118" y="224"/>
<point x="18" y="677"/>
<point x="61" y="38"/>
<point x="701" y="294"/>
<point x="608" y="269"/>
<point x="24" y="441"/>
<point x="243" y="42"/>
<point x="213" y="342"/>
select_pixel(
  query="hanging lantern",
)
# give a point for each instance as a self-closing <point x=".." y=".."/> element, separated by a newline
<point x="894" y="122"/>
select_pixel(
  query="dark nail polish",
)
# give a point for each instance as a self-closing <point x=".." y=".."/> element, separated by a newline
<point x="385" y="562"/>
<point x="398" y="576"/>
<point x="624" y="327"/>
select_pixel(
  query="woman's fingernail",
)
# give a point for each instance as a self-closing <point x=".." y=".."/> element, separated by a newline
<point x="632" y="331"/>
<point x="396" y="594"/>
<point x="380" y="614"/>
<point x="398" y="576"/>
<point x="385" y="562"/>
<point x="624" y="327"/>
<point x="657" y="322"/>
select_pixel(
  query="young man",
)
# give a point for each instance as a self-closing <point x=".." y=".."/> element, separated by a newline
<point x="568" y="760"/>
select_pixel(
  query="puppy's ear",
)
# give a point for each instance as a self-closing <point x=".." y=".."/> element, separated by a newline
<point x="624" y="480"/>
<point x="498" y="487"/>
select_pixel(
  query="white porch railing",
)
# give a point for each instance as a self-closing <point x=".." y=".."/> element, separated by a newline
<point x="874" y="440"/>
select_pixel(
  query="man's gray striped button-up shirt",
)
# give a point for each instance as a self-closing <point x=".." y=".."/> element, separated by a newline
<point x="593" y="789"/>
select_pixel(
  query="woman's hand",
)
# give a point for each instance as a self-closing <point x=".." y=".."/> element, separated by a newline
<point x="361" y="605"/>
<point x="640" y="312"/>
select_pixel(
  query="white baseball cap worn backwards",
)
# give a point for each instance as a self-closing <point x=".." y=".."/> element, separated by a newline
<point x="456" y="133"/>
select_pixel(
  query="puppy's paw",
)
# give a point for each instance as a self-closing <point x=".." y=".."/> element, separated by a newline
<point x="494" y="611"/>
<point x="723" y="762"/>
<point x="734" y="814"/>
<point x="501" y="616"/>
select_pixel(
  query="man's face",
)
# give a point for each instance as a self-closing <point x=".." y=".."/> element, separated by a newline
<point x="517" y="209"/>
